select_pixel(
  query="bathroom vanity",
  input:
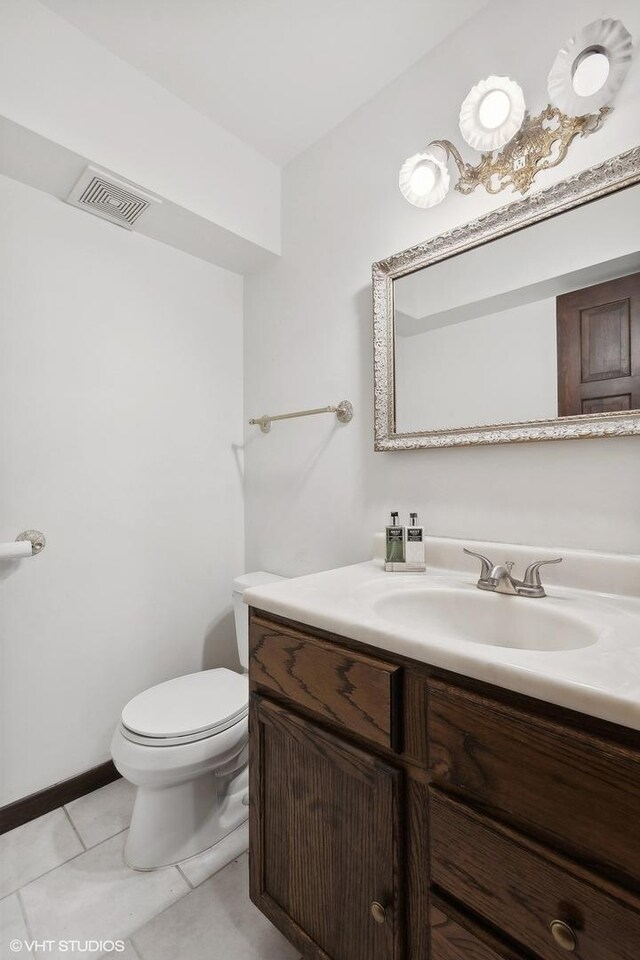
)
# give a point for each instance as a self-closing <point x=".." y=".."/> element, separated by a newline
<point x="402" y="809"/>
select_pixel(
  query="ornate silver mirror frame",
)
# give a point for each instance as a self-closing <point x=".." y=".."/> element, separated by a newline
<point x="612" y="175"/>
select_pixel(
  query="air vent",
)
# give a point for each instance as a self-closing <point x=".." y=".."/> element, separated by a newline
<point x="112" y="199"/>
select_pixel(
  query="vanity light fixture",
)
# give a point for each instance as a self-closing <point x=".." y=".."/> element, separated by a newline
<point x="584" y="79"/>
<point x="424" y="180"/>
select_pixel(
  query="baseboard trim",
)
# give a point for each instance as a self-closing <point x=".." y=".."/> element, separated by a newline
<point x="29" y="808"/>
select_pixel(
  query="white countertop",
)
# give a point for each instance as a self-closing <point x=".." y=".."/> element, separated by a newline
<point x="601" y="679"/>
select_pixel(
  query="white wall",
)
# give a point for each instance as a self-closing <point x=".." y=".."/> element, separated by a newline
<point x="120" y="429"/>
<point x="316" y="491"/>
<point x="493" y="369"/>
<point x="62" y="85"/>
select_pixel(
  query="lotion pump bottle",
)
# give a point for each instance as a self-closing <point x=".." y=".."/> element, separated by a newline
<point x="415" y="551"/>
<point x="395" y="544"/>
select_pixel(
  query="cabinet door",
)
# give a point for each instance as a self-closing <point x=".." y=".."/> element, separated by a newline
<point x="324" y="839"/>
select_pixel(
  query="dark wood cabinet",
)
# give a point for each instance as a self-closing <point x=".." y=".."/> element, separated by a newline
<point x="399" y="812"/>
<point x="524" y="888"/>
<point x="355" y="691"/>
<point x="567" y="785"/>
<point x="327" y="839"/>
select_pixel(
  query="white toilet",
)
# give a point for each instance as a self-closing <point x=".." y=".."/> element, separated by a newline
<point x="183" y="743"/>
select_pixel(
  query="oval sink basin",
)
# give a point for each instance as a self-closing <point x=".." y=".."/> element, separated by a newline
<point x="483" y="617"/>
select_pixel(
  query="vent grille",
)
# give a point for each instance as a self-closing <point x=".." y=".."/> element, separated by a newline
<point x="112" y="199"/>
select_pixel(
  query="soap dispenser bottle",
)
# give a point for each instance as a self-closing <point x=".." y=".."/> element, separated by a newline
<point x="394" y="541"/>
<point x="415" y="551"/>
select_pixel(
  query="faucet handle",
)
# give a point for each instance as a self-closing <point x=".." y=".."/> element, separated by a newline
<point x="487" y="566"/>
<point x="532" y="573"/>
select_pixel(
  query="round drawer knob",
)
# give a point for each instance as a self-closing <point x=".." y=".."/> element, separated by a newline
<point x="563" y="935"/>
<point x="378" y="912"/>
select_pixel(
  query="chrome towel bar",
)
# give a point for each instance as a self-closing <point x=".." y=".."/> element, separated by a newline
<point x="343" y="412"/>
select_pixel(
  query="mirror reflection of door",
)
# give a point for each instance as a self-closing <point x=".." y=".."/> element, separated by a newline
<point x="598" y="342"/>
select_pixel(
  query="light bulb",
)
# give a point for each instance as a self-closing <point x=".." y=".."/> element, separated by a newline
<point x="494" y="108"/>
<point x="590" y="73"/>
<point x="423" y="178"/>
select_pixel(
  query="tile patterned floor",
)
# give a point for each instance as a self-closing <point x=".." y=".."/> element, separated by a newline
<point x="63" y="877"/>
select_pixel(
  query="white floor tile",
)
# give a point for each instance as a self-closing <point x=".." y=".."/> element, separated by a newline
<point x="11" y="927"/>
<point x="30" y="850"/>
<point x="96" y="896"/>
<point x="199" y="868"/>
<point x="217" y="921"/>
<point x="103" y="813"/>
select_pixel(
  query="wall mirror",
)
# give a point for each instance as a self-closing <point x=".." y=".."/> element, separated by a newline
<point x="521" y="325"/>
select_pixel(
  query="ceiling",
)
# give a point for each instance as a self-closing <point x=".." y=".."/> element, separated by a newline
<point x="279" y="74"/>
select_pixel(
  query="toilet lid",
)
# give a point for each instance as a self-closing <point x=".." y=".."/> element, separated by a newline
<point x="199" y="702"/>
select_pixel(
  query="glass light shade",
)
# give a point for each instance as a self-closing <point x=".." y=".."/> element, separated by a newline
<point x="492" y="113"/>
<point x="424" y="180"/>
<point x="590" y="69"/>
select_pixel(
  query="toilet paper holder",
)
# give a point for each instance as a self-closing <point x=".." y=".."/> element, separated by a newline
<point x="38" y="540"/>
<point x="16" y="549"/>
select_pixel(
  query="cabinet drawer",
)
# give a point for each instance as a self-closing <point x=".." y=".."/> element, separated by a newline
<point x="353" y="690"/>
<point x="456" y="937"/>
<point x="521" y="888"/>
<point x="576" y="791"/>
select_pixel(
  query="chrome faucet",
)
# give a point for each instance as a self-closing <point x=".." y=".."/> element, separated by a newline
<point x="497" y="577"/>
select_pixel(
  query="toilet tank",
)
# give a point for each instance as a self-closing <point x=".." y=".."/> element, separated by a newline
<point x="241" y="610"/>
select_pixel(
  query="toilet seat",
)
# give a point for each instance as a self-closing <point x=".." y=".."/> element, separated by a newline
<point x="186" y="709"/>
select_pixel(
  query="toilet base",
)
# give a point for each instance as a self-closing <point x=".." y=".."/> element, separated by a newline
<point x="172" y="823"/>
